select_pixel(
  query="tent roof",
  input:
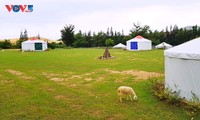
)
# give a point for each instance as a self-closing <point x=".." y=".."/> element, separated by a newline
<point x="163" y="44"/>
<point x="188" y="50"/>
<point x="139" y="39"/>
<point x="34" y="41"/>
<point x="120" y="45"/>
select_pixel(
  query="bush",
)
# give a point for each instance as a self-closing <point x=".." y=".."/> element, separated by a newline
<point x="54" y="45"/>
<point x="5" y="44"/>
<point x="173" y="97"/>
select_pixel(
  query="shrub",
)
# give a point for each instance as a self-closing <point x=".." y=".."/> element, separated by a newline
<point x="54" y="45"/>
<point x="173" y="97"/>
<point x="6" y="44"/>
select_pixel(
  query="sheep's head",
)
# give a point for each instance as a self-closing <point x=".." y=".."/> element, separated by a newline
<point x="135" y="97"/>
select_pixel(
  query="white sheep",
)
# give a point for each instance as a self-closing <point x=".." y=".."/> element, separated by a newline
<point x="124" y="91"/>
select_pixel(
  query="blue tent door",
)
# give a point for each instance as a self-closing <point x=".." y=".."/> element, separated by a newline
<point x="134" y="46"/>
<point x="38" y="46"/>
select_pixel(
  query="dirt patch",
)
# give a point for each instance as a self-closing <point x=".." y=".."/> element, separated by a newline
<point x="119" y="81"/>
<point x="76" y="106"/>
<point x="6" y="81"/>
<point x="139" y="75"/>
<point x="100" y="79"/>
<point x="88" y="74"/>
<point x="48" y="89"/>
<point x="88" y="79"/>
<point x="60" y="97"/>
<point x="20" y="74"/>
<point x="82" y="75"/>
<point x="142" y="75"/>
<point x="50" y="75"/>
<point x="57" y="79"/>
<point x="73" y="85"/>
<point x="96" y="113"/>
<point x="14" y="72"/>
<point x="76" y="76"/>
<point x="56" y="75"/>
<point x="115" y="116"/>
<point x="96" y="79"/>
<point x="27" y="77"/>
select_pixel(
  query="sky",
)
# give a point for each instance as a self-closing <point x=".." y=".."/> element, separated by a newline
<point x="50" y="16"/>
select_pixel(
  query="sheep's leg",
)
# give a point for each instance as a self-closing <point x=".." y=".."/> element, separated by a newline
<point x="120" y="99"/>
<point x="131" y="97"/>
<point x="127" y="97"/>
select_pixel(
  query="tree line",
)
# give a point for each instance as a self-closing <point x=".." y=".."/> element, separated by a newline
<point x="6" y="44"/>
<point x="172" y="35"/>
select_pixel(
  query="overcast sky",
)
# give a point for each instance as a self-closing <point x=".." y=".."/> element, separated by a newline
<point x="50" y="16"/>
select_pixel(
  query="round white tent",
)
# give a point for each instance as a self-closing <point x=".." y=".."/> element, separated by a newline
<point x="182" y="69"/>
<point x="34" y="45"/>
<point x="139" y="43"/>
<point x="163" y="45"/>
<point x="120" y="45"/>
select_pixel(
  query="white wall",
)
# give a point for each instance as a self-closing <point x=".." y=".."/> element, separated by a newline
<point x="31" y="46"/>
<point x="44" y="46"/>
<point x="142" y="45"/>
<point x="183" y="75"/>
<point x="28" y="46"/>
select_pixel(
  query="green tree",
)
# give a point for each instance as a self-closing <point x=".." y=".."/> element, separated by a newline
<point x="67" y="35"/>
<point x="18" y="43"/>
<point x="38" y="36"/>
<point x="140" y="30"/>
<point x="5" y="44"/>
<point x="1" y="44"/>
<point x="22" y="38"/>
<point x="109" y="42"/>
<point x="99" y="39"/>
<point x="25" y="35"/>
<point x="52" y="45"/>
<point x="89" y="39"/>
<point x="80" y="40"/>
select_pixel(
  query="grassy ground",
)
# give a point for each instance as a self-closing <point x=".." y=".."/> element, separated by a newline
<point x="73" y="84"/>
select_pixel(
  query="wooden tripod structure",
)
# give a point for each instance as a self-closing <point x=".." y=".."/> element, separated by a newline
<point x="106" y="54"/>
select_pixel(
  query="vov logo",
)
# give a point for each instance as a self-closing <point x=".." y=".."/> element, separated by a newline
<point x="17" y="8"/>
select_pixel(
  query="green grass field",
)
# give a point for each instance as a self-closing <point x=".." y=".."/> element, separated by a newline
<point x="72" y="84"/>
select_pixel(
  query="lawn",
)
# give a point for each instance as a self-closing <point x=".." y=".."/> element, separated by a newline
<point x="73" y="84"/>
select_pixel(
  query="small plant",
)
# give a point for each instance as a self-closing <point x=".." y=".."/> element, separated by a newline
<point x="195" y="98"/>
<point x="173" y="97"/>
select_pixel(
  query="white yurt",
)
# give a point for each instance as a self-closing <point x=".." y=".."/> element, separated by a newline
<point x="163" y="45"/>
<point x="120" y="45"/>
<point x="139" y="43"/>
<point x="182" y="69"/>
<point x="34" y="45"/>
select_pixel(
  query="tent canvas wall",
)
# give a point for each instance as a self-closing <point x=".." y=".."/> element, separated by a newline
<point x="163" y="45"/>
<point x="139" y="43"/>
<point x="182" y="69"/>
<point x="34" y="45"/>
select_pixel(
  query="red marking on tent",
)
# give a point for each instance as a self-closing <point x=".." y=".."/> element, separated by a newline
<point x="139" y="37"/>
<point x="34" y="38"/>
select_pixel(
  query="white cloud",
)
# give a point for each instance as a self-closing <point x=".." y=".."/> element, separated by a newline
<point x="157" y="17"/>
<point x="50" y="16"/>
